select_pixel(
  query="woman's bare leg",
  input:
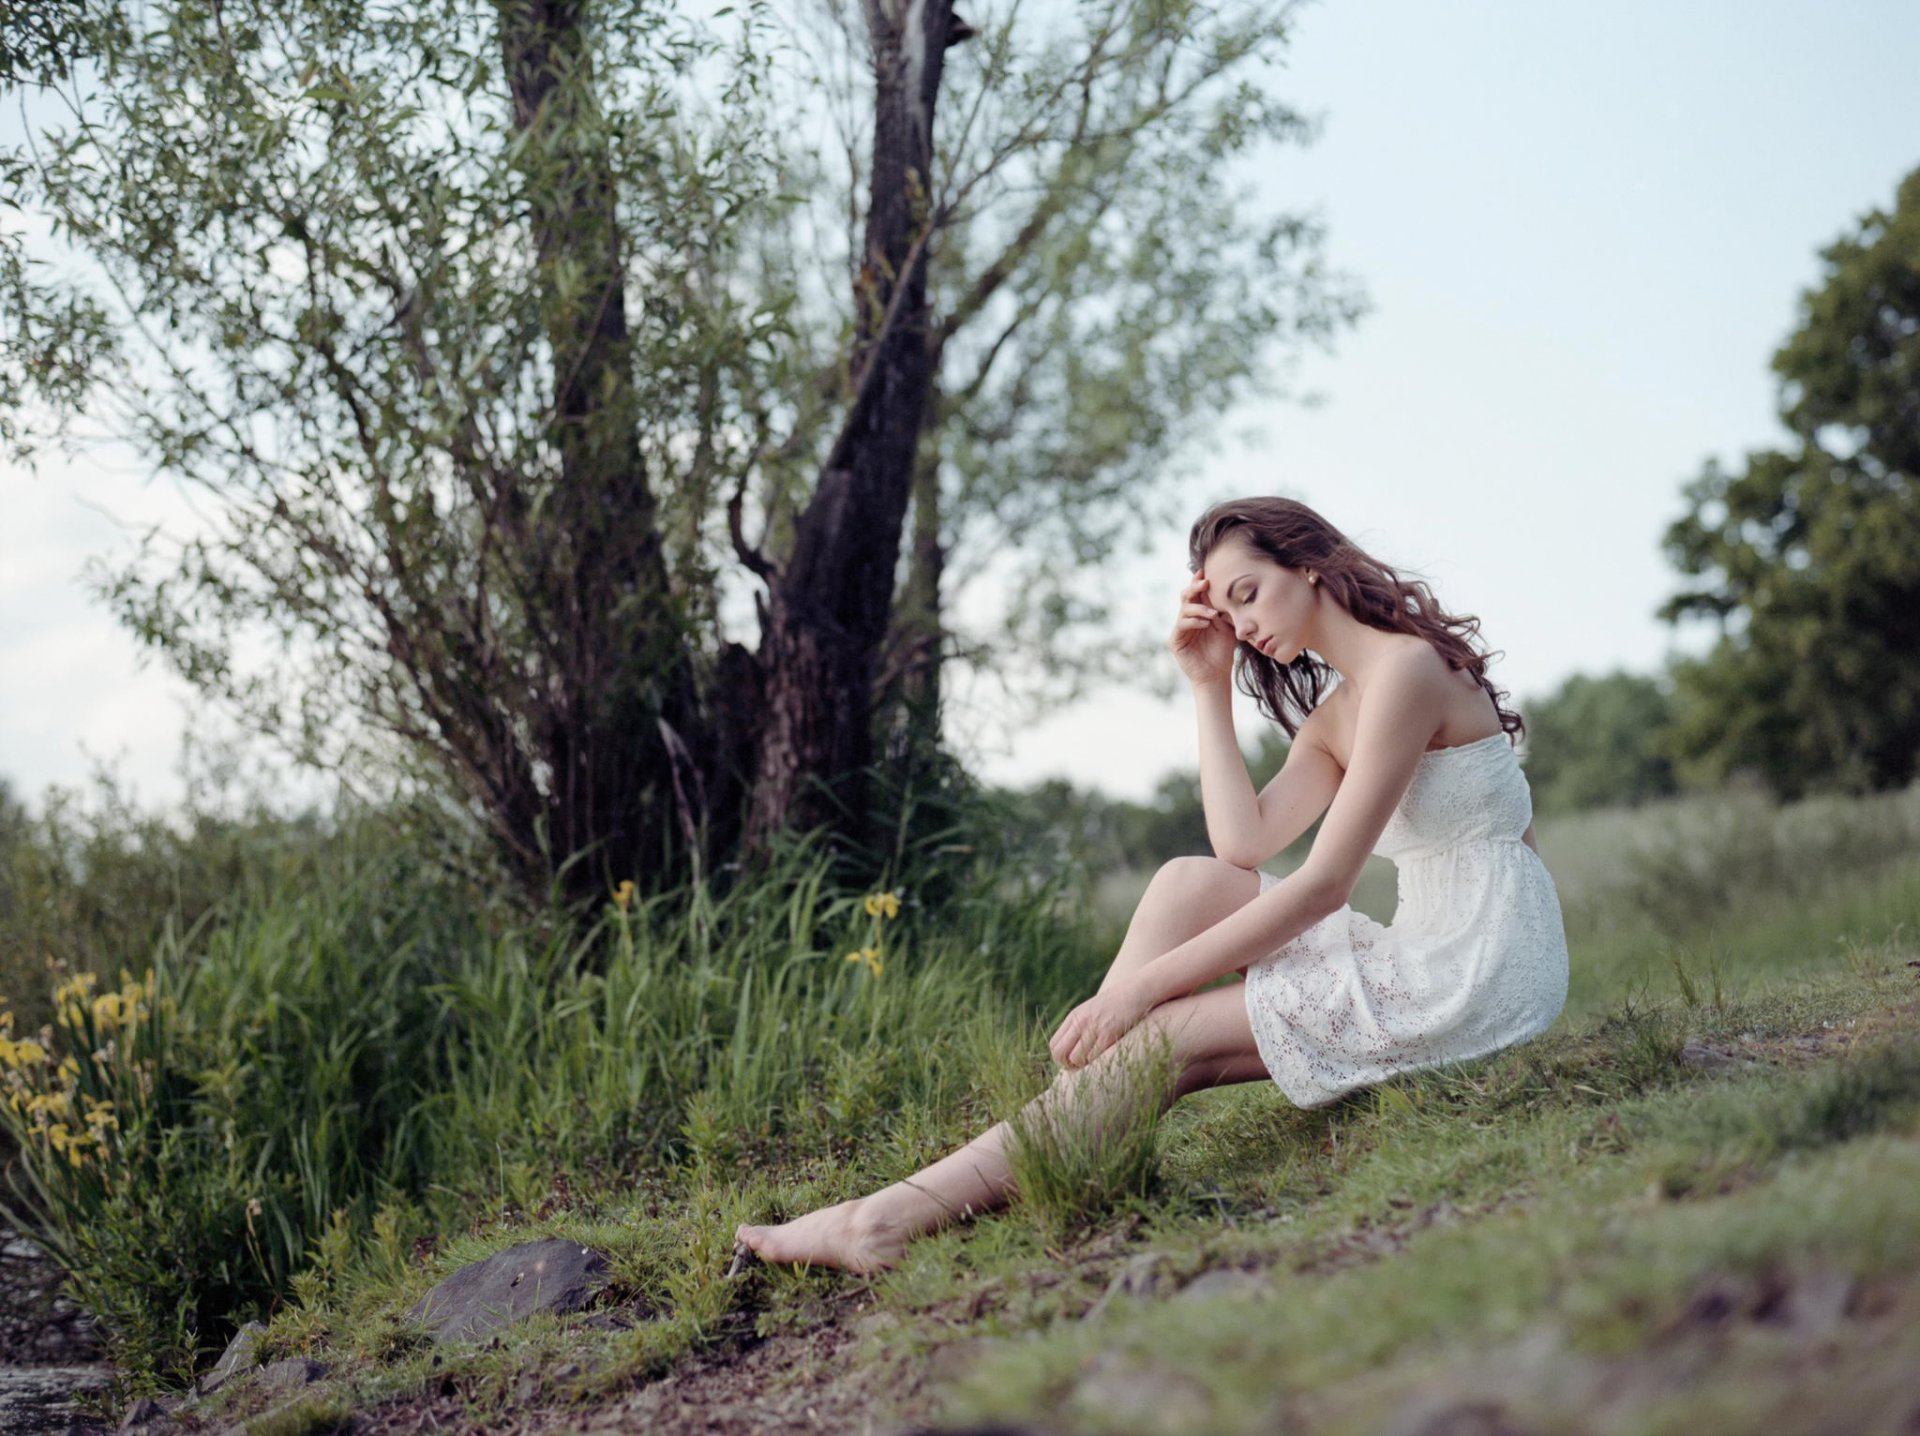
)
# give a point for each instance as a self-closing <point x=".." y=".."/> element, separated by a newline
<point x="1212" y="1045"/>
<point x="1185" y="898"/>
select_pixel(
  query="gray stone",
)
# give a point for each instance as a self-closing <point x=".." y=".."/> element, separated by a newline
<point x="241" y="1354"/>
<point x="140" y="1412"/>
<point x="294" y="1371"/>
<point x="486" y="1295"/>
<point x="1227" y="1281"/>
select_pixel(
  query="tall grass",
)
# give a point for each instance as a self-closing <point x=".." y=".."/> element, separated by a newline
<point x="346" y="1048"/>
<point x="1090" y="1142"/>
<point x="330" y="1067"/>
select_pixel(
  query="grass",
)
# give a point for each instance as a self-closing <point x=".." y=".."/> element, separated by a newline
<point x="1729" y="1108"/>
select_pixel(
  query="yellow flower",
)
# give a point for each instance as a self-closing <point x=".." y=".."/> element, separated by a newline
<point x="27" y="1050"/>
<point x="623" y="894"/>
<point x="110" y="1009"/>
<point x="69" y="1066"/>
<point x="77" y="985"/>
<point x="859" y="956"/>
<point x="49" y="1102"/>
<point x="882" y="905"/>
<point x="870" y="956"/>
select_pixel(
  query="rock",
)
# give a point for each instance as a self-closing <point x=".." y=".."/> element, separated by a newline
<point x="141" y="1412"/>
<point x="1226" y="1281"/>
<point x="241" y="1354"/>
<point x="294" y="1371"/>
<point x="484" y="1296"/>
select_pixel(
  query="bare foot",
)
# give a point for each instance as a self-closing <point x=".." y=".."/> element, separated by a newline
<point x="849" y="1236"/>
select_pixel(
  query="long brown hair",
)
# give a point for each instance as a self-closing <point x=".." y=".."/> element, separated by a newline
<point x="1294" y="536"/>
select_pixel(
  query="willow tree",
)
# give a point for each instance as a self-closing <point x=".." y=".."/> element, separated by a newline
<point x="486" y="329"/>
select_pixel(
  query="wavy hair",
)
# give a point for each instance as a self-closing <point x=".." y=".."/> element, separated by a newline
<point x="1294" y="536"/>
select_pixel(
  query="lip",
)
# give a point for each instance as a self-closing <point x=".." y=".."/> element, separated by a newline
<point x="1265" y="645"/>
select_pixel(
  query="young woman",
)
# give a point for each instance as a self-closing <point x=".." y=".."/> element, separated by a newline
<point x="1407" y="756"/>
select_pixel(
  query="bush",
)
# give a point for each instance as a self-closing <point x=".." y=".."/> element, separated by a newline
<point x="355" y="1044"/>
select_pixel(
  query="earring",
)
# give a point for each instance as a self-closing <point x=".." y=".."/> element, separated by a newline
<point x="1313" y="578"/>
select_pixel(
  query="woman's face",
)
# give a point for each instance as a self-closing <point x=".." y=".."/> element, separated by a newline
<point x="1268" y="604"/>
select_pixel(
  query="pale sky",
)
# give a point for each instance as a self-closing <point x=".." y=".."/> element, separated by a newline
<point x="1583" y="229"/>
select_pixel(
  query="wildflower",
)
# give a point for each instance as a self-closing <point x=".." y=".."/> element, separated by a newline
<point x="69" y="1067"/>
<point x="623" y="894"/>
<point x="24" y="1051"/>
<point x="882" y="905"/>
<point x="49" y="1102"/>
<point x="870" y="956"/>
<point x="78" y="985"/>
<point x="110" y="1009"/>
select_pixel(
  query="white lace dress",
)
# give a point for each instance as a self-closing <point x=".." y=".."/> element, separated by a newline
<point x="1474" y="960"/>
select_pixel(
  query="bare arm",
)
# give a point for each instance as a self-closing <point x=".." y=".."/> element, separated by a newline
<point x="1246" y="829"/>
<point x="1399" y="716"/>
<point x="1244" y="935"/>
<point x="1226" y="789"/>
<point x="1527" y="838"/>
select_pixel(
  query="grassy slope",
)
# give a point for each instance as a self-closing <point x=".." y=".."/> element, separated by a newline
<point x="1694" y="1205"/>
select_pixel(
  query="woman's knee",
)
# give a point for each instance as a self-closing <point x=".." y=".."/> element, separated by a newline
<point x="1194" y="878"/>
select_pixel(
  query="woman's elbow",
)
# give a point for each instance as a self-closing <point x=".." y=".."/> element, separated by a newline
<point x="1325" y="893"/>
<point x="1238" y="856"/>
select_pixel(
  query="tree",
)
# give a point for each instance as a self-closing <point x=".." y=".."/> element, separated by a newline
<point x="1593" y="742"/>
<point x="1810" y="553"/>
<point x="483" y="326"/>
<point x="1103" y="290"/>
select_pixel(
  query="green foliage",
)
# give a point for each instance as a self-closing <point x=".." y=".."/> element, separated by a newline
<point x="1090" y="1142"/>
<point x="362" y="276"/>
<point x="1810" y="554"/>
<point x="489" y="330"/>
<point x="1593" y="743"/>
<point x="1094" y="334"/>
<point x="358" y="1048"/>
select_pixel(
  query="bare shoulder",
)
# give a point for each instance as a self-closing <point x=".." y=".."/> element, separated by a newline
<point x="1416" y="686"/>
<point x="1418" y="664"/>
<point x="1328" y="726"/>
<point x="1413" y="688"/>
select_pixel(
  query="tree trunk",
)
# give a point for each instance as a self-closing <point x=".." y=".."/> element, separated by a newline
<point x="612" y="773"/>
<point x="909" y="696"/>
<point x="828" y="610"/>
